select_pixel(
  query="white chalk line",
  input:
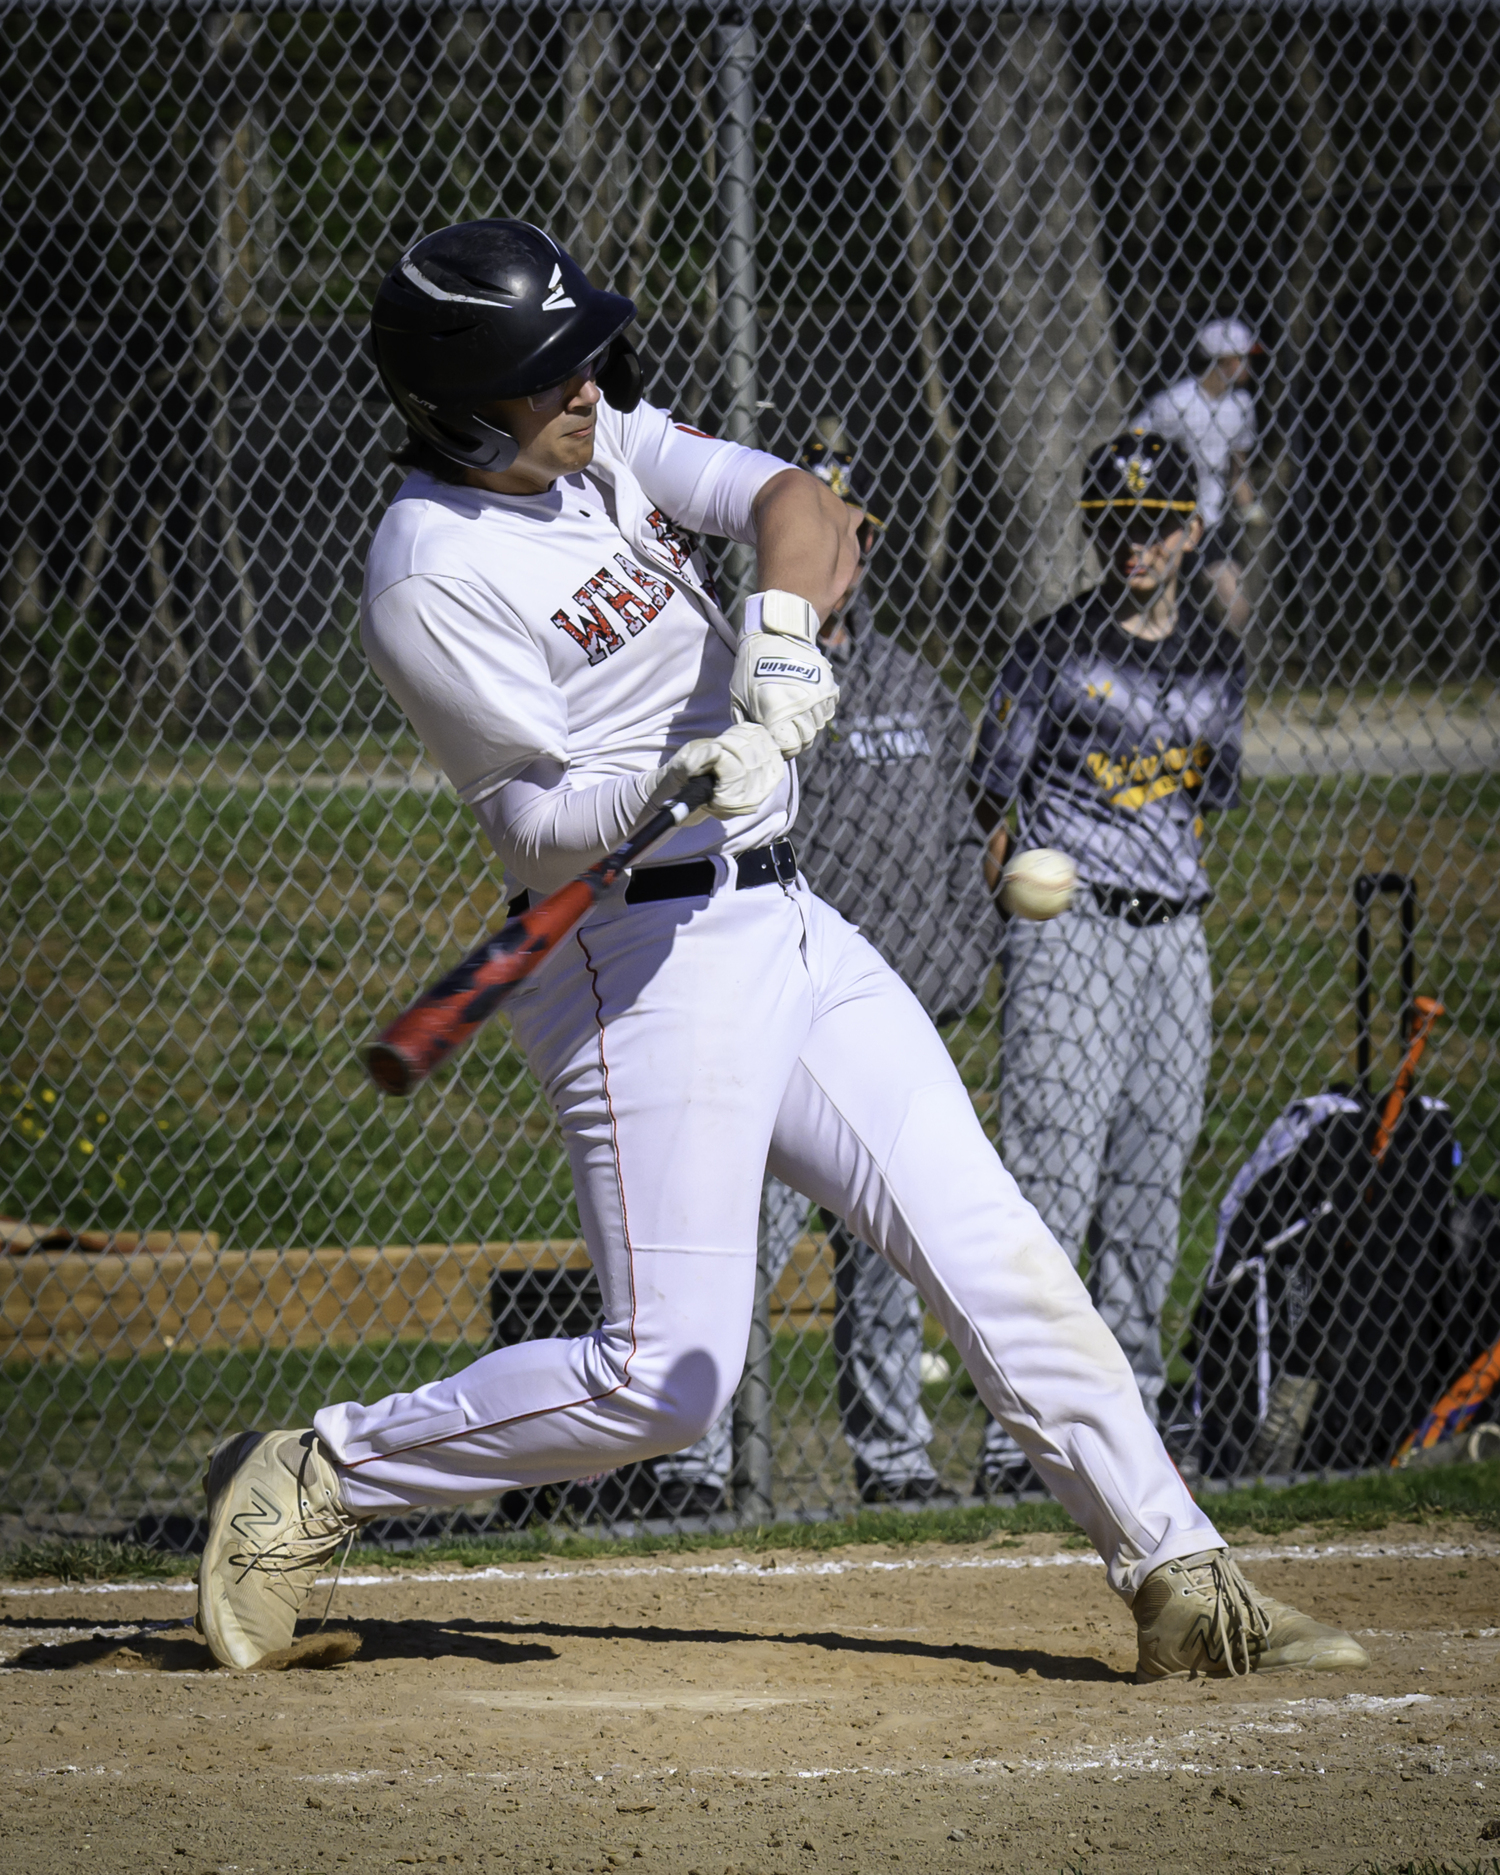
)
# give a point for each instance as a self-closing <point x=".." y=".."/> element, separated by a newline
<point x="741" y="1569"/>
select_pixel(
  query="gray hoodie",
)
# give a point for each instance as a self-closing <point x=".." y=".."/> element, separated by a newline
<point x="886" y="833"/>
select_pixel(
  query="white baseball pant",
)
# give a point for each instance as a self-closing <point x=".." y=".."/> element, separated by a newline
<point x="684" y="1045"/>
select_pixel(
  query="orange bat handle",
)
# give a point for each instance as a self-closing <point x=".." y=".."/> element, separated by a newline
<point x="1427" y="1012"/>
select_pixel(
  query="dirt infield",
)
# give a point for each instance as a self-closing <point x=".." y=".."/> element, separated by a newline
<point x="935" y="1709"/>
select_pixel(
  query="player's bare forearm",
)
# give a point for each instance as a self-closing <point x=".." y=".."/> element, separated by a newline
<point x="806" y="540"/>
<point x="995" y="853"/>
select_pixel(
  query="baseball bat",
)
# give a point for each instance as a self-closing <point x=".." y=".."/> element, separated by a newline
<point x="441" y="1020"/>
<point x="1427" y="1013"/>
<point x="1451" y="1412"/>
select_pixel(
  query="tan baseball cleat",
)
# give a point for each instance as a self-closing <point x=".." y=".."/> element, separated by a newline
<point x="274" y="1519"/>
<point x="1199" y="1615"/>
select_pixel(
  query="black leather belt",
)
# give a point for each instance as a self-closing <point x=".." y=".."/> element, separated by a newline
<point x="775" y="864"/>
<point x="1139" y="908"/>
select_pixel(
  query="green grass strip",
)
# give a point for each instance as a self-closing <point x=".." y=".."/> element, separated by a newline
<point x="1469" y="1492"/>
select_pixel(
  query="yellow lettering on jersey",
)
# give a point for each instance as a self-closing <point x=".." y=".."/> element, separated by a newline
<point x="1132" y="784"/>
<point x="1102" y="689"/>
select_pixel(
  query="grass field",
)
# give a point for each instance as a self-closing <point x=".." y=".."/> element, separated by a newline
<point x="1470" y="1493"/>
<point x="189" y="972"/>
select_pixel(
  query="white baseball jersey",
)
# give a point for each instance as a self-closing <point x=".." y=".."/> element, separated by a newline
<point x="1211" y="429"/>
<point x="574" y="633"/>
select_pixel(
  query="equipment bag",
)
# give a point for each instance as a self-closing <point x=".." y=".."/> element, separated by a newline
<point x="1327" y="1309"/>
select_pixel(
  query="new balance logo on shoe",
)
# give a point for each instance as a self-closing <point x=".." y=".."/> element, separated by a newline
<point x="250" y="1524"/>
<point x="556" y="299"/>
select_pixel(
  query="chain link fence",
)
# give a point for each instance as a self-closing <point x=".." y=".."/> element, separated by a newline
<point x="977" y="241"/>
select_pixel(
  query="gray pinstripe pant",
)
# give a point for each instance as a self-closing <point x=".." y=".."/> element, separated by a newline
<point x="1105" y="1055"/>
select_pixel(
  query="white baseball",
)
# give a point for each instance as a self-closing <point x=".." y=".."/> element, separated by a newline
<point x="1038" y="884"/>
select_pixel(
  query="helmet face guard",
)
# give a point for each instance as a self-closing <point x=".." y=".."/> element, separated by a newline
<point x="486" y="312"/>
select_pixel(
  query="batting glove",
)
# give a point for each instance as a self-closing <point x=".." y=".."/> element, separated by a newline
<point x="781" y="678"/>
<point x="747" y="767"/>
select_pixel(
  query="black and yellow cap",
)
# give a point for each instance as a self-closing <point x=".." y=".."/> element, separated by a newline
<point x="833" y="463"/>
<point x="1139" y="474"/>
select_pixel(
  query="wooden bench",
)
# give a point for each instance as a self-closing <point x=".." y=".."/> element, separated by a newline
<point x="67" y="1305"/>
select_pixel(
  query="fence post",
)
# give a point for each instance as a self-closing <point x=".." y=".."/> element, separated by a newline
<point x="735" y="47"/>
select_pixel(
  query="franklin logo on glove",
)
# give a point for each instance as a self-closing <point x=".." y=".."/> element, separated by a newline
<point x="781" y="679"/>
<point x="784" y="667"/>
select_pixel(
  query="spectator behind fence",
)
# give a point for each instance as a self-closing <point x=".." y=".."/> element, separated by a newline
<point x="1116" y="724"/>
<point x="1213" y="417"/>
<point x="886" y="834"/>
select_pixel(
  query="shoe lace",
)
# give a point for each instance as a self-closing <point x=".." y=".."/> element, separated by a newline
<point x="1239" y="1625"/>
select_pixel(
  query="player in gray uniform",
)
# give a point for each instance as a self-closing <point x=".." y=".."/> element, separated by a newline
<point x="1115" y="726"/>
<point x="885" y="833"/>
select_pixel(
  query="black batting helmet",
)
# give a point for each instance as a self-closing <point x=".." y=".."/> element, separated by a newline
<point x="1139" y="482"/>
<point x="488" y="310"/>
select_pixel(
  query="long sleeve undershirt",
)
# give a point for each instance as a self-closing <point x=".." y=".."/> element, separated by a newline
<point x="547" y="832"/>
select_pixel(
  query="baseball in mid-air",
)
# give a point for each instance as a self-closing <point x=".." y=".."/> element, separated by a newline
<point x="1038" y="884"/>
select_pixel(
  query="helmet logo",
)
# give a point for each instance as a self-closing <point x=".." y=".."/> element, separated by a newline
<point x="556" y="299"/>
<point x="1137" y="476"/>
<point x="419" y="279"/>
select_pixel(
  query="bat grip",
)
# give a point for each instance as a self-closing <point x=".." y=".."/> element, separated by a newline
<point x="698" y="793"/>
<point x="695" y="794"/>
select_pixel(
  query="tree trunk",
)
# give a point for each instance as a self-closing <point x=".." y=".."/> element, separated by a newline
<point x="160" y="674"/>
<point x="1303" y="313"/>
<point x="1471" y="240"/>
<point x="23" y="618"/>
<point x="593" y="148"/>
<point x="243" y="250"/>
<point x="909" y="98"/>
<point x="1054" y="373"/>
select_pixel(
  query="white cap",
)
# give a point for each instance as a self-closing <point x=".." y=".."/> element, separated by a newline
<point x="1227" y="338"/>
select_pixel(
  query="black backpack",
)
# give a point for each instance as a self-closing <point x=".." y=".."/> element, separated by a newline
<point x="1329" y="1320"/>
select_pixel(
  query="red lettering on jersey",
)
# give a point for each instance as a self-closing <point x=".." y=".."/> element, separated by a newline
<point x="629" y="605"/>
<point x="673" y="544"/>
<point x="594" y="631"/>
<point x="656" y="590"/>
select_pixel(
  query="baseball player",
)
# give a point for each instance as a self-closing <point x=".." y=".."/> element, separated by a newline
<point x="1115" y="726"/>
<point x="1213" y="417"/>
<point x="887" y="836"/>
<point x="534" y="602"/>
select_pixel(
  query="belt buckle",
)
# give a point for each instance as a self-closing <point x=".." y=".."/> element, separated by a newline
<point x="784" y="861"/>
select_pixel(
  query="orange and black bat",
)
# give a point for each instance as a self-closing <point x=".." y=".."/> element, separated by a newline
<point x="443" y="1019"/>
<point x="1452" y="1412"/>
<point x="1426" y="1013"/>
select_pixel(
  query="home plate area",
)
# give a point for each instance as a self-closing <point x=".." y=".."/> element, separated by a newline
<point x="866" y="1710"/>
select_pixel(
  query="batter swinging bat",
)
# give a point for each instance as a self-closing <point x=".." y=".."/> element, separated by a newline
<point x="443" y="1019"/>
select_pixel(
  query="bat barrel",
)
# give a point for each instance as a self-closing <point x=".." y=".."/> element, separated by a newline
<point x="439" y="1023"/>
<point x="443" y="1020"/>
